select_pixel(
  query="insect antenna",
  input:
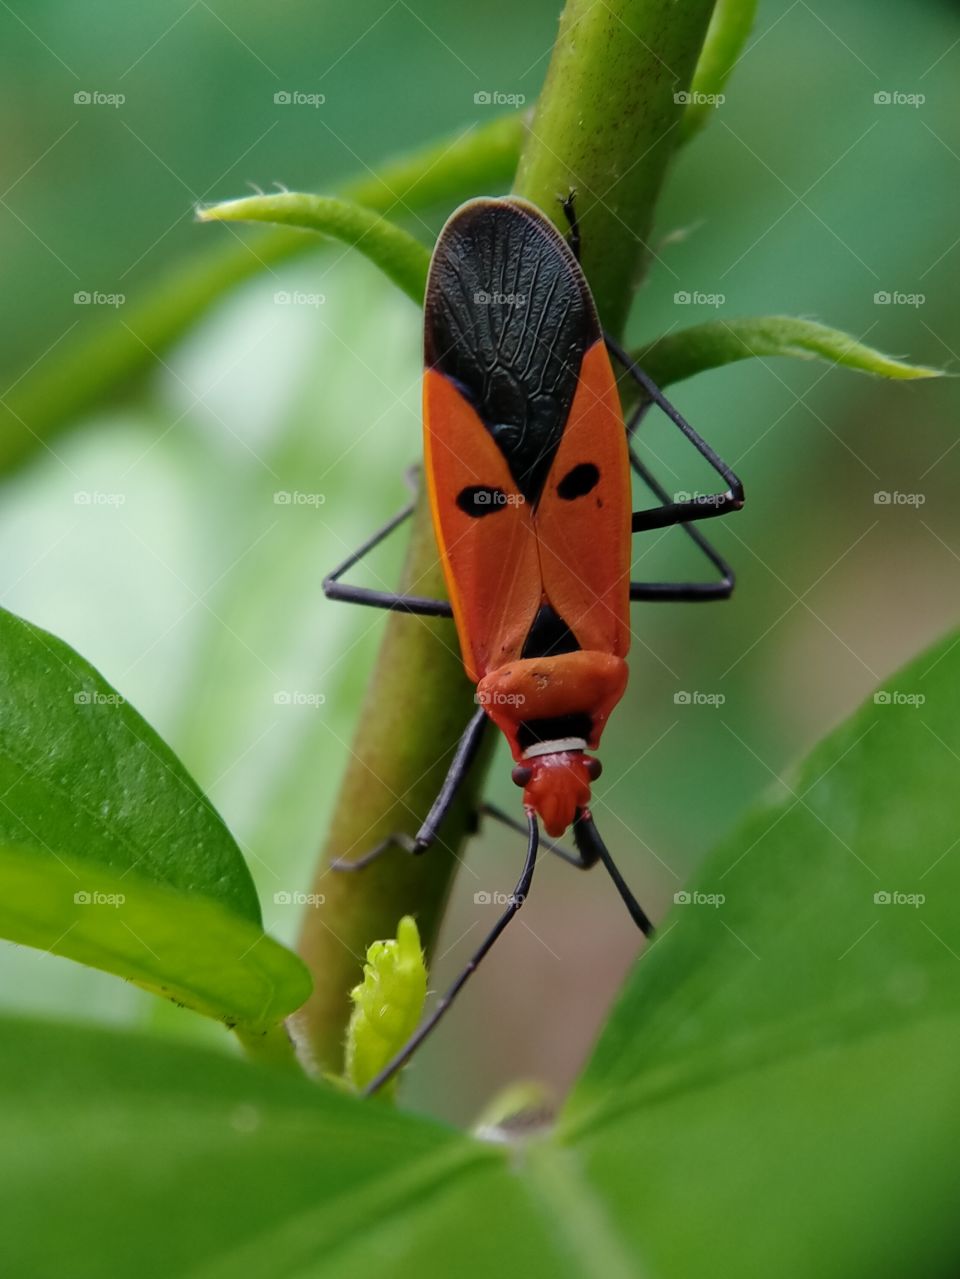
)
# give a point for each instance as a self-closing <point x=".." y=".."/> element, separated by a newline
<point x="591" y="846"/>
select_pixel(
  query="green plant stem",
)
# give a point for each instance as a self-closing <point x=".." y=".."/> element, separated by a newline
<point x="605" y="124"/>
<point x="417" y="704"/>
<point x="273" y="1048"/>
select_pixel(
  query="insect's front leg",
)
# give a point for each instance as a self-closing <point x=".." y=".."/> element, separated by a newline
<point x="463" y="757"/>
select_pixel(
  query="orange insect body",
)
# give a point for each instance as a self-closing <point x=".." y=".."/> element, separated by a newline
<point x="528" y="473"/>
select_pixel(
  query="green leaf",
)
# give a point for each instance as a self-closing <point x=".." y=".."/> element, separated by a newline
<point x="776" y="1090"/>
<point x="402" y="259"/>
<point x="126" y="1156"/>
<point x="109" y="852"/>
<point x="709" y="346"/>
<point x="775" y="1093"/>
<point x="730" y="25"/>
<point x="107" y="357"/>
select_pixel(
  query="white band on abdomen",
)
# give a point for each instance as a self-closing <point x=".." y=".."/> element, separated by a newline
<point x="555" y="747"/>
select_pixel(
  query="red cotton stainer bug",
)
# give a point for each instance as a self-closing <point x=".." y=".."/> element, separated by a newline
<point x="527" y="461"/>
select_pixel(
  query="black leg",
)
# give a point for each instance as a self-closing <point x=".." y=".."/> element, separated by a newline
<point x="688" y="592"/>
<point x="517" y="898"/>
<point x="574" y="859"/>
<point x="334" y="589"/>
<point x="590" y="850"/>
<point x="681" y="512"/>
<point x="587" y="838"/>
<point x="463" y="757"/>
<point x="684" y="591"/>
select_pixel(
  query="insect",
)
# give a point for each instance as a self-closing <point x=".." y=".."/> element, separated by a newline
<point x="527" y="460"/>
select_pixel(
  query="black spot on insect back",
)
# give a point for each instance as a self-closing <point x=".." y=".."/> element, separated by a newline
<point x="508" y="318"/>
<point x="480" y="499"/>
<point x="578" y="482"/>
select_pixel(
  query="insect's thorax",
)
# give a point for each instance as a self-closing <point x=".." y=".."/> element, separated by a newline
<point x="566" y="699"/>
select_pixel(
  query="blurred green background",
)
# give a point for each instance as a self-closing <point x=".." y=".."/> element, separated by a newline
<point x="199" y="597"/>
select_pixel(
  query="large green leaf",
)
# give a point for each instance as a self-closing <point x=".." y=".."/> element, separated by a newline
<point x="111" y="854"/>
<point x="123" y="1156"/>
<point x="775" y="1093"/>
